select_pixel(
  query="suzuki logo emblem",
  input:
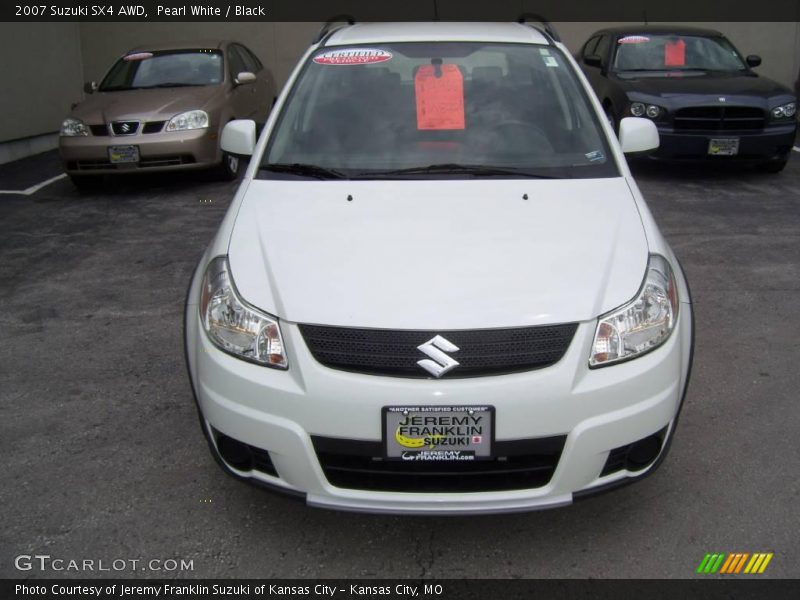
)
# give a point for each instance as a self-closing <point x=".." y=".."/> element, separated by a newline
<point x="439" y="363"/>
<point x="125" y="128"/>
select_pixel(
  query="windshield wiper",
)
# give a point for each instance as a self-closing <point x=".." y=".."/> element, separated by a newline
<point x="304" y="170"/>
<point x="169" y="85"/>
<point x="455" y="169"/>
<point x="118" y="88"/>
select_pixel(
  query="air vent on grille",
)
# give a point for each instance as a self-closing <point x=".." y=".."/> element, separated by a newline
<point x="719" y="118"/>
<point x="153" y="127"/>
<point x="481" y="351"/>
<point x="517" y="465"/>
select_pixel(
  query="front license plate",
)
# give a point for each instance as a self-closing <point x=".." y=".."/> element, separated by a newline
<point x="123" y="154"/>
<point x="723" y="147"/>
<point x="438" y="433"/>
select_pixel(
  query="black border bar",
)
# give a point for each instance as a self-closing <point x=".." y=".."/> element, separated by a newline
<point x="637" y="11"/>
<point x="709" y="588"/>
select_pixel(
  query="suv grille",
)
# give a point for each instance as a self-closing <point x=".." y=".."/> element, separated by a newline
<point x="481" y="351"/>
<point x="518" y="465"/>
<point x="125" y="127"/>
<point x="719" y="118"/>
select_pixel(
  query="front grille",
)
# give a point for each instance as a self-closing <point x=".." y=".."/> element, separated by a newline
<point x="481" y="352"/>
<point x="99" y="130"/>
<point x="719" y="118"/>
<point x="517" y="465"/>
<point x="125" y="127"/>
<point x="153" y="127"/>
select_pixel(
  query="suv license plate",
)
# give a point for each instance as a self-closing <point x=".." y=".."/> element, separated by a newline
<point x="438" y="433"/>
<point x="723" y="147"/>
<point x="123" y="154"/>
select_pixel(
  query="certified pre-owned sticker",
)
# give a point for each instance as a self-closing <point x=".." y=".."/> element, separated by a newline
<point x="633" y="39"/>
<point x="353" y="56"/>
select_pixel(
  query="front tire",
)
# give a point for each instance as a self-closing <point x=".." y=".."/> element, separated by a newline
<point x="611" y="118"/>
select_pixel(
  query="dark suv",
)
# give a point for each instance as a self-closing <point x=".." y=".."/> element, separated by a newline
<point x="701" y="93"/>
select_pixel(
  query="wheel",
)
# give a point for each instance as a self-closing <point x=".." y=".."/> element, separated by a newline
<point x="612" y="119"/>
<point x="775" y="166"/>
<point x="86" y="182"/>
<point x="229" y="168"/>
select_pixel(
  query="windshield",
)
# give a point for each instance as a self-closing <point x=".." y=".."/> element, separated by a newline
<point x="173" y="68"/>
<point x="676" y="53"/>
<point x="415" y="110"/>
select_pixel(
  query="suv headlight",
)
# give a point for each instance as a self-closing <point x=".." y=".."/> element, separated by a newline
<point x="784" y="111"/>
<point x="73" y="127"/>
<point x="640" y="109"/>
<point x="235" y="327"/>
<point x="191" y="119"/>
<point x="642" y="324"/>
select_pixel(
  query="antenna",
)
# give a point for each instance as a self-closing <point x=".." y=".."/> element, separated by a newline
<point x="435" y="10"/>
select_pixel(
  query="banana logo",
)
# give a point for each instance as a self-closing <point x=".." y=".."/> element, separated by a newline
<point x="408" y="442"/>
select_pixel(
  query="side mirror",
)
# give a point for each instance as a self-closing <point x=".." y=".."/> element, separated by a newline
<point x="592" y="60"/>
<point x="637" y="135"/>
<point x="753" y="60"/>
<point x="90" y="87"/>
<point x="244" y="77"/>
<point x="239" y="137"/>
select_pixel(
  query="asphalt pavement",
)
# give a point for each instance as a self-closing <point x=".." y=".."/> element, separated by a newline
<point x="103" y="458"/>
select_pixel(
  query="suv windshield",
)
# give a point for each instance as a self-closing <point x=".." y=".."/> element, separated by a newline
<point x="173" y="68"/>
<point x="676" y="53"/>
<point x="415" y="110"/>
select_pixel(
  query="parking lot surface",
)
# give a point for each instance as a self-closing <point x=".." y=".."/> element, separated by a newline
<point x="104" y="459"/>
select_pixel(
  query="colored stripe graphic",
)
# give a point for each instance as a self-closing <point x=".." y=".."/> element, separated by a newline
<point x="727" y="564"/>
<point x="734" y="563"/>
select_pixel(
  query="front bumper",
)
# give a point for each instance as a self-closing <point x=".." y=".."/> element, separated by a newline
<point x="772" y="143"/>
<point x="597" y="410"/>
<point x="165" y="151"/>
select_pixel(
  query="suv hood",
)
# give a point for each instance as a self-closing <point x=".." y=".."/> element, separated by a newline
<point x="707" y="83"/>
<point x="158" y="104"/>
<point x="438" y="254"/>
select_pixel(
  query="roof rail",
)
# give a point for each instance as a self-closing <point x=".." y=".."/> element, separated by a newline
<point x="548" y="27"/>
<point x="328" y="27"/>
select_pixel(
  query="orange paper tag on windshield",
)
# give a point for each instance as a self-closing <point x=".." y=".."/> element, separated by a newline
<point x="440" y="100"/>
<point x="675" y="54"/>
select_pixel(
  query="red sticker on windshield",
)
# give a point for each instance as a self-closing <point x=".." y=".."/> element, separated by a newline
<point x="440" y="97"/>
<point x="675" y="54"/>
<point x="633" y="39"/>
<point x="353" y="56"/>
<point x="138" y="56"/>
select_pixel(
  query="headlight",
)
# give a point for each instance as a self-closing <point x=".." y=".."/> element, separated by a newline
<point x="192" y="119"/>
<point x="784" y="111"/>
<point x="640" y="109"/>
<point x="653" y="111"/>
<point x="642" y="324"/>
<point x="73" y="127"/>
<point x="235" y="327"/>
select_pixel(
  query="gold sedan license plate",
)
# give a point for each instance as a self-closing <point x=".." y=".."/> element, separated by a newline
<point x="723" y="147"/>
<point x="438" y="433"/>
<point x="123" y="154"/>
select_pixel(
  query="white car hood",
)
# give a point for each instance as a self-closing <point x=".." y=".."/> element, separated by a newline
<point x="428" y="254"/>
